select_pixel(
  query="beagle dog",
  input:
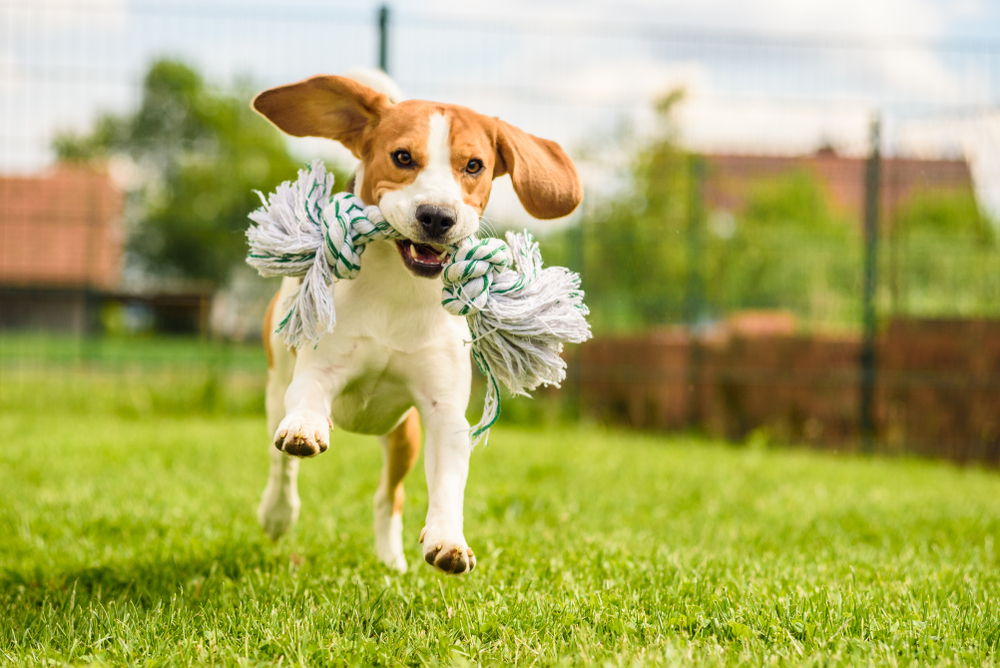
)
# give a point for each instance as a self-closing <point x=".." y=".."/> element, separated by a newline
<point x="396" y="358"/>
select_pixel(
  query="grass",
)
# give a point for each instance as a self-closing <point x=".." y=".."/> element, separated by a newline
<point x="128" y="536"/>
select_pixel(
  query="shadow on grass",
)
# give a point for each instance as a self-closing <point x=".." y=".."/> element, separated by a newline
<point x="144" y="581"/>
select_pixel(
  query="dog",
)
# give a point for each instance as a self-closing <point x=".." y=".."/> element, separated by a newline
<point x="396" y="358"/>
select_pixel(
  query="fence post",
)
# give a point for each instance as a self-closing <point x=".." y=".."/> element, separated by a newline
<point x="694" y="298"/>
<point x="868" y="361"/>
<point x="383" y="38"/>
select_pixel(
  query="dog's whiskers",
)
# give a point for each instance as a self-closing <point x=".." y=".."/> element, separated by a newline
<point x="487" y="228"/>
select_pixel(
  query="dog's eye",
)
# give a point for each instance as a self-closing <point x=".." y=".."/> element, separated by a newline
<point x="402" y="158"/>
<point x="474" y="166"/>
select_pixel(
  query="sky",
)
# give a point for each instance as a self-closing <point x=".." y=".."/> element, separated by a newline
<point x="776" y="76"/>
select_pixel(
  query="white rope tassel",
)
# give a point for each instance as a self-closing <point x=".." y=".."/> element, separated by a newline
<point x="292" y="225"/>
<point x="519" y="313"/>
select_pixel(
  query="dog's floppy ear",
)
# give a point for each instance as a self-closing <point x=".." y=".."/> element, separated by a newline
<point x="323" y="106"/>
<point x="544" y="177"/>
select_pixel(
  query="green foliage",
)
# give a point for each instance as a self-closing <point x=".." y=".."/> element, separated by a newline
<point x="943" y="257"/>
<point x="199" y="153"/>
<point x="652" y="254"/>
<point x="130" y="538"/>
<point x="787" y="250"/>
<point x="946" y="213"/>
<point x="633" y="255"/>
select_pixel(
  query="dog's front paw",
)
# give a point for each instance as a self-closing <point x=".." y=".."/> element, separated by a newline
<point x="303" y="434"/>
<point x="447" y="554"/>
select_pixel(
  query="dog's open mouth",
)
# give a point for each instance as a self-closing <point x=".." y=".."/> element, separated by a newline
<point x="422" y="259"/>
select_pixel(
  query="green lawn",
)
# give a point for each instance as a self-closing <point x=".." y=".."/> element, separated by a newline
<point x="128" y="535"/>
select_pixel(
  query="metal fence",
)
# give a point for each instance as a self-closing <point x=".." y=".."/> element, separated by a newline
<point x="766" y="118"/>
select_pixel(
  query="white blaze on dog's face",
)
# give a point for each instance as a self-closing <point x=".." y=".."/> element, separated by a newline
<point x="428" y="166"/>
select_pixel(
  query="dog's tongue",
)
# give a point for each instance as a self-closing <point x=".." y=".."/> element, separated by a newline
<point x="423" y="255"/>
<point x="427" y="254"/>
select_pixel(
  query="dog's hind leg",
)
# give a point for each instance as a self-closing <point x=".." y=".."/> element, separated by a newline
<point x="279" y="505"/>
<point x="400" y="447"/>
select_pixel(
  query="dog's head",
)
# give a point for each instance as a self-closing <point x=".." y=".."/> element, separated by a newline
<point x="428" y="166"/>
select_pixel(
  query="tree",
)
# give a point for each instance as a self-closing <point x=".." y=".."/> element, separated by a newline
<point x="633" y="245"/>
<point x="788" y="250"/>
<point x="654" y="255"/>
<point x="199" y="153"/>
<point x="943" y="255"/>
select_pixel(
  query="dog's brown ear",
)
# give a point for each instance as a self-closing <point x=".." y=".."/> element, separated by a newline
<point x="544" y="177"/>
<point x="323" y="106"/>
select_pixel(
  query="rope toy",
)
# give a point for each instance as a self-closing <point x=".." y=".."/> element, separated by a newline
<point x="519" y="313"/>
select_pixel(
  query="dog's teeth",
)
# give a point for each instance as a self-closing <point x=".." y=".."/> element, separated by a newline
<point x="413" y="252"/>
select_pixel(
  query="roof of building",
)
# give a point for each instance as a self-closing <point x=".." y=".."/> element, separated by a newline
<point x="61" y="228"/>
<point x="731" y="178"/>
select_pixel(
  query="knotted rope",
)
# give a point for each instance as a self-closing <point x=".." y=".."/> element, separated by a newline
<point x="519" y="313"/>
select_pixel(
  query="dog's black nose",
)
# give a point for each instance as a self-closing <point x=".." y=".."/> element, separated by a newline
<point x="435" y="220"/>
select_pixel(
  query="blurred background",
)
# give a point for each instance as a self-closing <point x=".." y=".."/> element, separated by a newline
<point x="791" y="232"/>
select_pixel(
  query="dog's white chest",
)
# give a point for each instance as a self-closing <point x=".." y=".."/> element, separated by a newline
<point x="391" y="334"/>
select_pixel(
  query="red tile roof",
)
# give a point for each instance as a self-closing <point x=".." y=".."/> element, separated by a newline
<point x="731" y="178"/>
<point x="61" y="228"/>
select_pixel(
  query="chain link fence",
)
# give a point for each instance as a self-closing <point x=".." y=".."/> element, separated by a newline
<point x="730" y="176"/>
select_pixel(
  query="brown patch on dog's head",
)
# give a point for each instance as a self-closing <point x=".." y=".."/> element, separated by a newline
<point x="373" y="128"/>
